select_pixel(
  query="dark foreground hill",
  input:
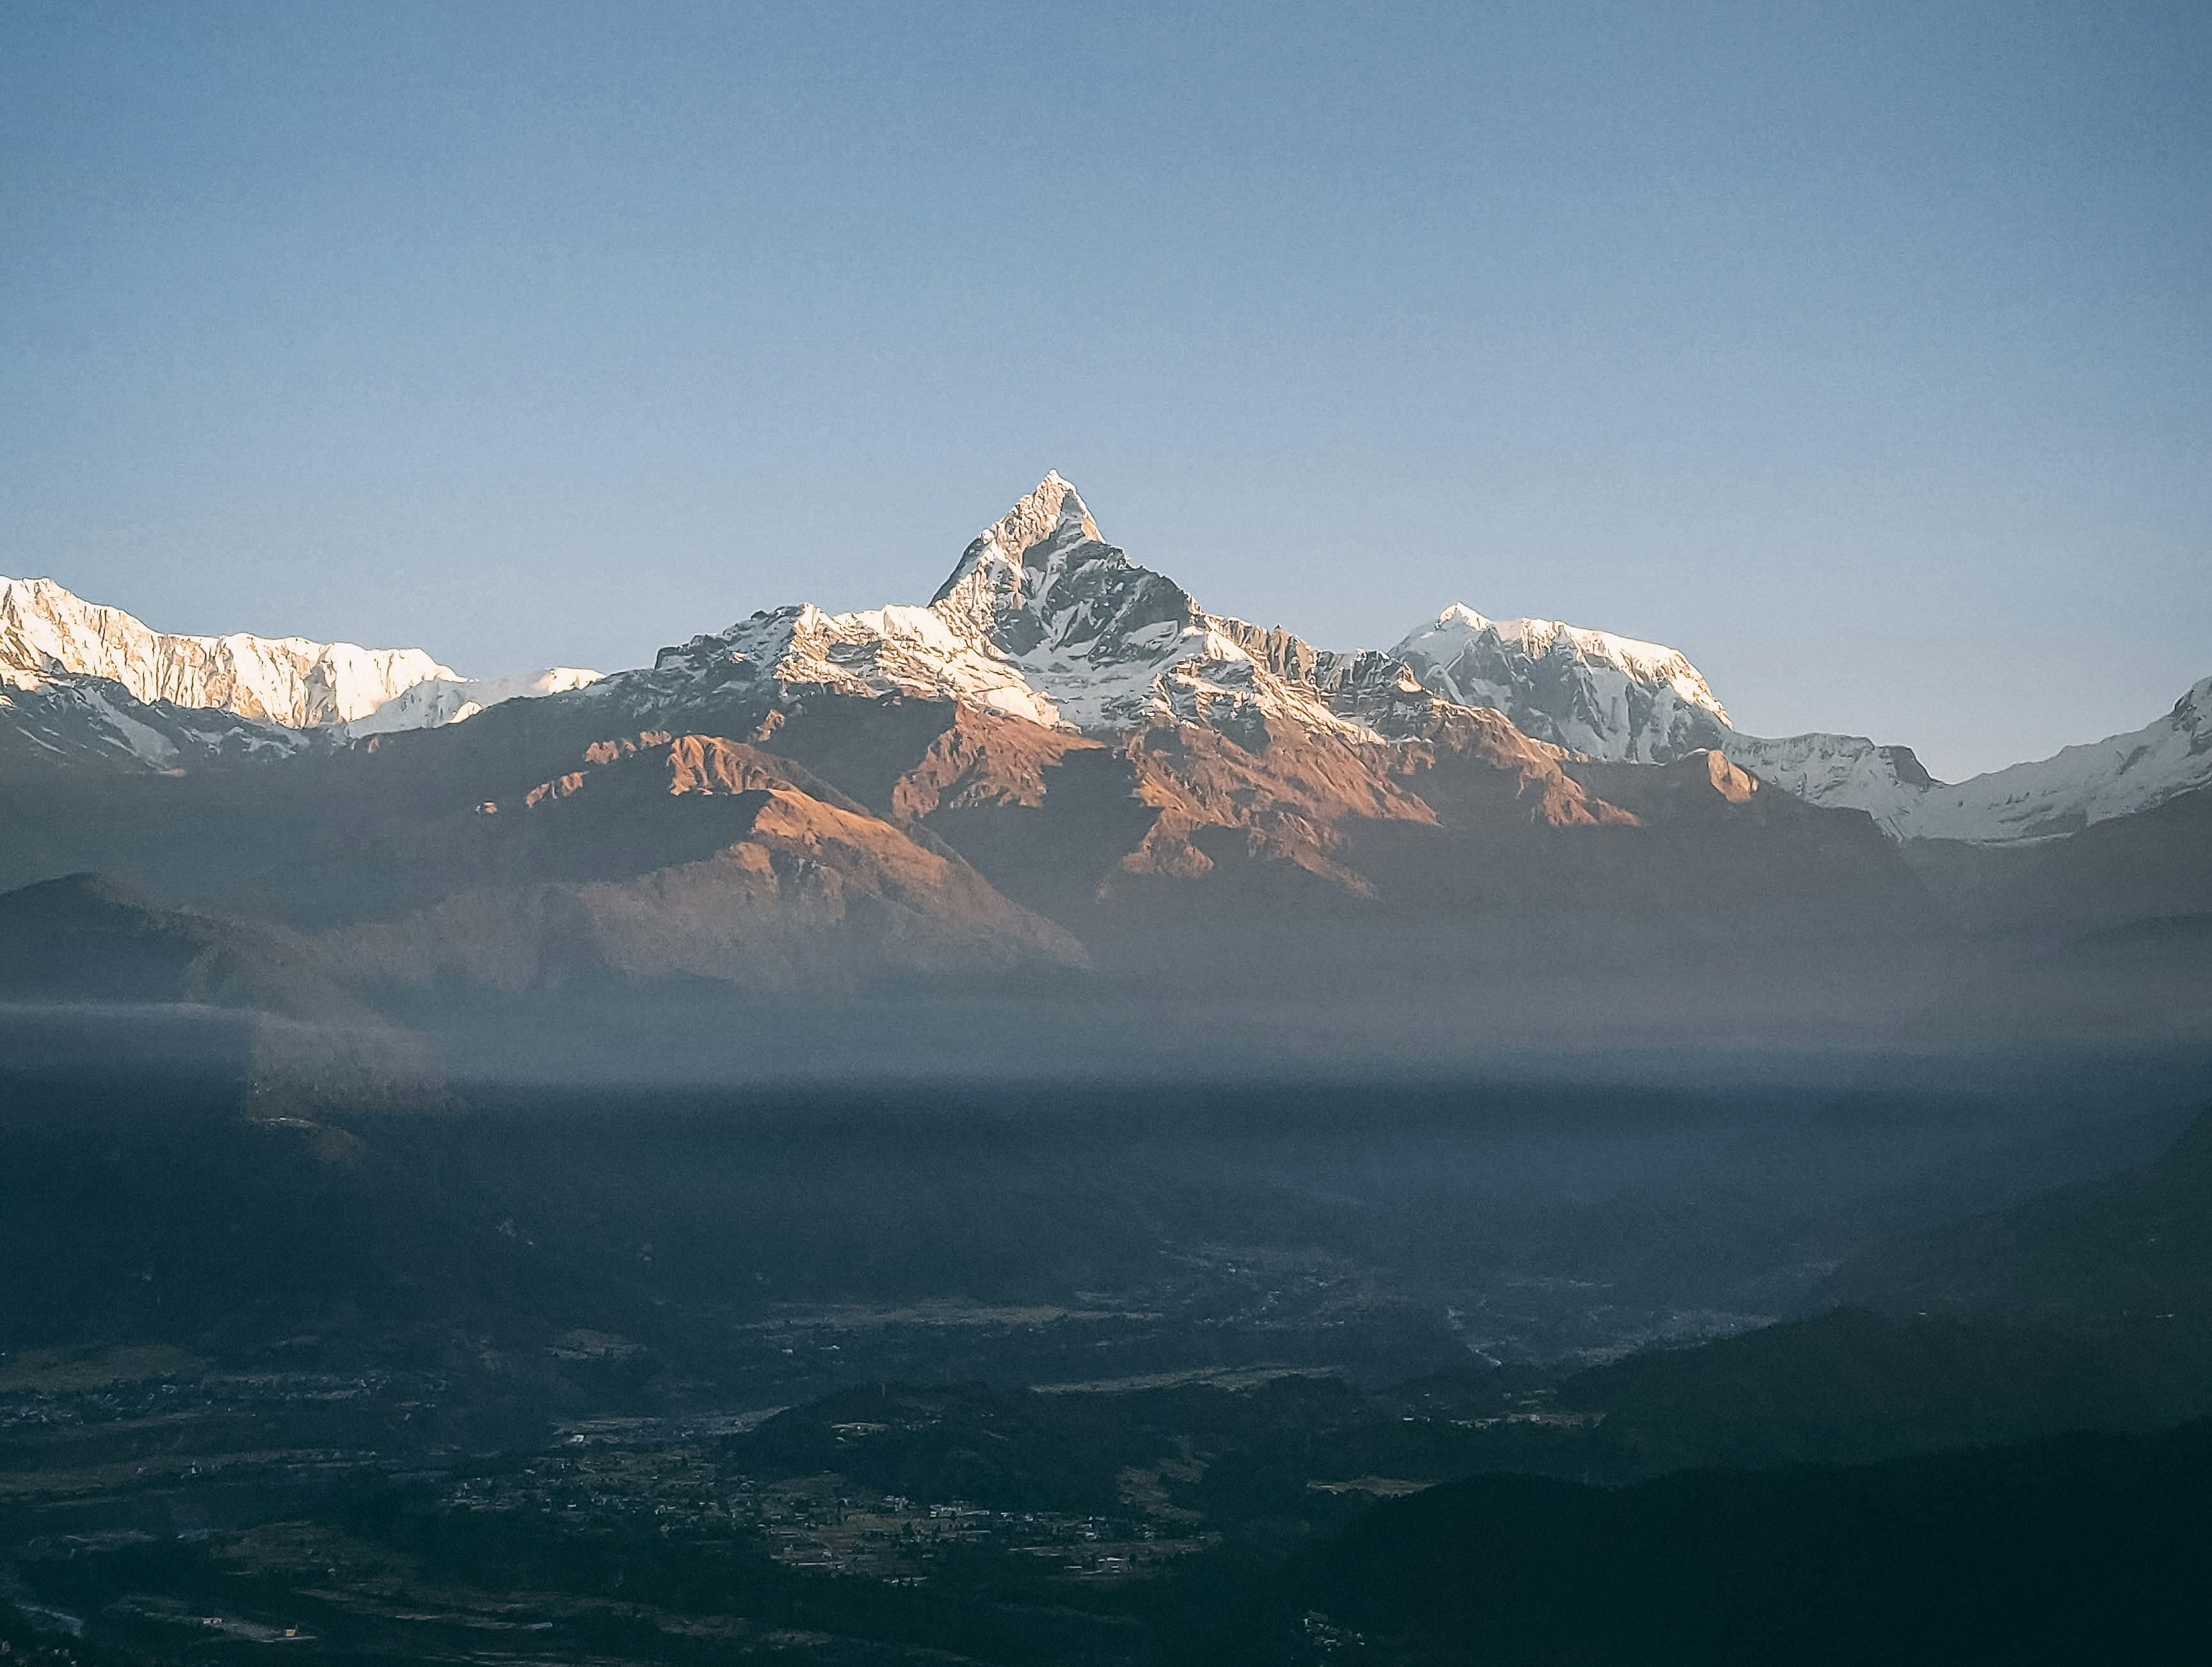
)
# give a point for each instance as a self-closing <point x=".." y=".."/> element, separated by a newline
<point x="2077" y="1549"/>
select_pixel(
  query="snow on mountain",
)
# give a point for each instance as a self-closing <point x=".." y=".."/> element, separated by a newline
<point x="46" y="632"/>
<point x="1114" y="646"/>
<point x="1615" y="698"/>
<point x="54" y="641"/>
<point x="438" y="700"/>
<point x="1043" y="620"/>
<point x="1611" y="697"/>
<point x="1843" y="772"/>
<point x="1095" y="634"/>
<point x="881" y="651"/>
<point x="2078" y="785"/>
<point x="2046" y="798"/>
<point x="97" y="721"/>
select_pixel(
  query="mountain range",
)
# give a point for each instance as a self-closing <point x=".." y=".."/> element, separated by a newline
<point x="1063" y="765"/>
<point x="1043" y="621"/>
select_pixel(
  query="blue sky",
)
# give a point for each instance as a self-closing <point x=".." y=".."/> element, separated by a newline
<point x="1865" y="354"/>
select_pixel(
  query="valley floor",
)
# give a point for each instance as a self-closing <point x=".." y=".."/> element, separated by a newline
<point x="1048" y="1374"/>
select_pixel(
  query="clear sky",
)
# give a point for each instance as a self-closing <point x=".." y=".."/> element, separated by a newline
<point x="1863" y="354"/>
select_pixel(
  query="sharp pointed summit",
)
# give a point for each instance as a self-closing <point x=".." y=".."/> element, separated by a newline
<point x="1041" y="619"/>
<point x="1040" y="581"/>
<point x="1045" y="523"/>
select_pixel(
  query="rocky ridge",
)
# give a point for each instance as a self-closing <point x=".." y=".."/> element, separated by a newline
<point x="663" y="856"/>
<point x="95" y="722"/>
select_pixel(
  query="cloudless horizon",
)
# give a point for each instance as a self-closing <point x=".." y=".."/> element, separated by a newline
<point x="1864" y="356"/>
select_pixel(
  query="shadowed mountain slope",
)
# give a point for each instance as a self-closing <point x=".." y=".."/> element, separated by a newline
<point x="2153" y="863"/>
<point x="89" y="938"/>
<point x="2146" y="984"/>
<point x="2137" y="1247"/>
<point x="100" y="987"/>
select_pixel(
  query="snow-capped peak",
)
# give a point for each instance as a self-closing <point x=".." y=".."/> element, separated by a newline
<point x="1649" y="661"/>
<point x="1022" y="552"/>
<point x="1043" y="619"/>
<point x="1042" y="579"/>
<point x="1615" y="697"/>
<point x="1609" y="696"/>
<point x="439" y="700"/>
<point x="48" y="631"/>
<point x="2044" y="799"/>
<point x="49" y="634"/>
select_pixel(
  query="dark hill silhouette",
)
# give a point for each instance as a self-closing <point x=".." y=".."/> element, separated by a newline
<point x="2075" y="1548"/>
